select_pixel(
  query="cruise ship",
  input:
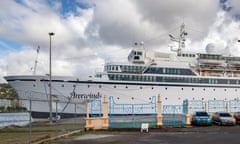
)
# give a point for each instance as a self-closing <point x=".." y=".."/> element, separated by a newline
<point x="175" y="76"/>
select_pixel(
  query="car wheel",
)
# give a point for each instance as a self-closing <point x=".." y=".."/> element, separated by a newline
<point x="219" y="123"/>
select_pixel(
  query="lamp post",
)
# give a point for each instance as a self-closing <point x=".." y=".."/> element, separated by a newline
<point x="50" y="76"/>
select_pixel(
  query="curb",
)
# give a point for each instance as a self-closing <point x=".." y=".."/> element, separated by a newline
<point x="57" y="137"/>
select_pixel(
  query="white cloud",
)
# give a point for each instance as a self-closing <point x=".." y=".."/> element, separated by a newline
<point x="87" y="38"/>
<point x="223" y="33"/>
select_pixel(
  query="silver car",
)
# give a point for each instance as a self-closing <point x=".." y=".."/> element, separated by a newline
<point x="223" y="118"/>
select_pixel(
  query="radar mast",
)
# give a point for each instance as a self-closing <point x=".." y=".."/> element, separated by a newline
<point x="180" y="40"/>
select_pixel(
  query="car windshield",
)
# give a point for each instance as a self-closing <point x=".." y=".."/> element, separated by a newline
<point x="237" y="113"/>
<point x="201" y="114"/>
<point x="224" y="115"/>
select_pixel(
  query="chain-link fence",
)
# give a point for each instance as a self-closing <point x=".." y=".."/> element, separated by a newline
<point x="27" y="121"/>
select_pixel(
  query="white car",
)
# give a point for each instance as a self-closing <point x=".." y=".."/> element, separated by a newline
<point x="223" y="118"/>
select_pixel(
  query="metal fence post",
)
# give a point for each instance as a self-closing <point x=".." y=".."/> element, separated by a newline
<point x="133" y="115"/>
<point x="30" y="121"/>
<point x="206" y="108"/>
<point x="226" y="106"/>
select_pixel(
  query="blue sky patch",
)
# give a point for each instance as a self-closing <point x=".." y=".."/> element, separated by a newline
<point x="69" y="6"/>
<point x="8" y="45"/>
<point x="225" y="6"/>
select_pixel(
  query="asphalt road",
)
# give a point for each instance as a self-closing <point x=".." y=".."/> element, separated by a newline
<point x="192" y="135"/>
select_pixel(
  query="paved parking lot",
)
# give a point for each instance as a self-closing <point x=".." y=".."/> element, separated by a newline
<point x="197" y="135"/>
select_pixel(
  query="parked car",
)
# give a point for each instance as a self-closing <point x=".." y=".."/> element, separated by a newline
<point x="223" y="118"/>
<point x="201" y="118"/>
<point x="236" y="115"/>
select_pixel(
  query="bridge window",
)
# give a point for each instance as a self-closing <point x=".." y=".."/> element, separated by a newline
<point x="139" y="53"/>
<point x="136" y="57"/>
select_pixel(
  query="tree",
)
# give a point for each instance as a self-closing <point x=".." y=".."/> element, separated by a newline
<point x="6" y="91"/>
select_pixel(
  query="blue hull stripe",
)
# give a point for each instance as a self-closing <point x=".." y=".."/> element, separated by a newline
<point x="154" y="84"/>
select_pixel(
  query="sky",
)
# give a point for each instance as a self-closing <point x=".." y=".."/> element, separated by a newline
<point x="90" y="33"/>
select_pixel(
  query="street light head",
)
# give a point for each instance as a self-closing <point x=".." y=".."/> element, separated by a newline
<point x="51" y="34"/>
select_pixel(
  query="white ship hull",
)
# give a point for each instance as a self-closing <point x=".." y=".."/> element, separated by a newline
<point x="72" y="93"/>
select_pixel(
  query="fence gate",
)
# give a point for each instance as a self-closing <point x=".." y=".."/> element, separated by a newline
<point x="234" y="105"/>
<point x="95" y="108"/>
<point x="132" y="115"/>
<point x="216" y="106"/>
<point x="172" y="115"/>
<point x="196" y="105"/>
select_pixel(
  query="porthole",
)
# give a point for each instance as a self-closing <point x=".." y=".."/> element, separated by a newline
<point x="126" y="87"/>
<point x="214" y="99"/>
<point x="132" y="98"/>
<point x="225" y="89"/>
<point x="202" y="99"/>
<point x="235" y="90"/>
<point x="34" y="85"/>
<point x="114" y="86"/>
<point x="204" y="89"/>
<point x="165" y="88"/>
<point x="118" y="98"/>
<point x="150" y="98"/>
<point x="74" y="86"/>
<point x="165" y="98"/>
<point x="182" y="88"/>
<point x="100" y="86"/>
<point x="152" y="88"/>
<point x="213" y="89"/>
<point x="62" y="85"/>
<point x="88" y="86"/>
<point x="192" y="89"/>
<point x="140" y="87"/>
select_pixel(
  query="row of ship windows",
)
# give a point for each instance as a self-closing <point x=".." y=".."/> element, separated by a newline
<point x="152" y="70"/>
<point x="171" y="79"/>
<point x="172" y="71"/>
<point x="100" y="86"/>
<point x="123" y="68"/>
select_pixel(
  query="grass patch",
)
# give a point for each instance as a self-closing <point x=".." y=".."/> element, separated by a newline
<point x="22" y="135"/>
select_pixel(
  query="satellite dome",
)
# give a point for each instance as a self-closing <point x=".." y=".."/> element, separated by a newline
<point x="210" y="48"/>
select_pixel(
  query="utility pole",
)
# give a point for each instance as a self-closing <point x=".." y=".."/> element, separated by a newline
<point x="50" y="76"/>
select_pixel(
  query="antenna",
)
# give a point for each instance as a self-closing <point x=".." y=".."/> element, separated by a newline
<point x="181" y="40"/>
<point x="36" y="61"/>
